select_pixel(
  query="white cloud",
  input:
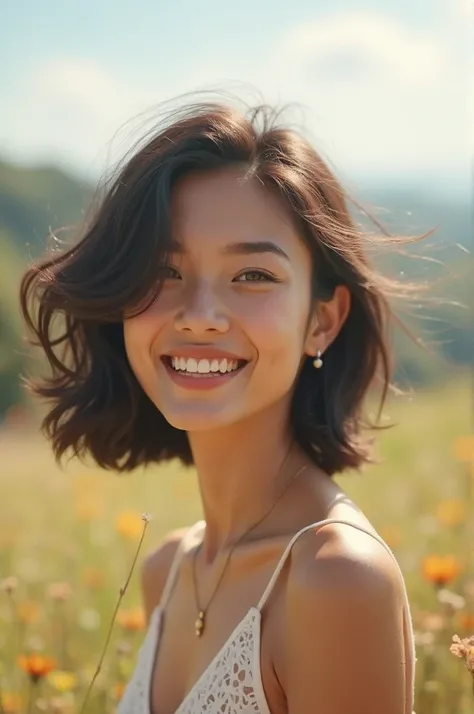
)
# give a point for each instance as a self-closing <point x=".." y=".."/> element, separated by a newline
<point x="78" y="106"/>
<point x="465" y="8"/>
<point x="81" y="82"/>
<point x="406" y="56"/>
<point x="86" y="113"/>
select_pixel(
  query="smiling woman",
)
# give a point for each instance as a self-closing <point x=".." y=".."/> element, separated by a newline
<point x="221" y="308"/>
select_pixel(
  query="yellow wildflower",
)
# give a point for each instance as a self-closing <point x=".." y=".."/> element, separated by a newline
<point x="451" y="512"/>
<point x="463" y="449"/>
<point x="129" y="524"/>
<point x="62" y="681"/>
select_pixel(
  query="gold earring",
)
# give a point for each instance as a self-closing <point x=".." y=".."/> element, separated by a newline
<point x="318" y="362"/>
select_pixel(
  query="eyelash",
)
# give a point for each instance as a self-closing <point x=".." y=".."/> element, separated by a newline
<point x="267" y="277"/>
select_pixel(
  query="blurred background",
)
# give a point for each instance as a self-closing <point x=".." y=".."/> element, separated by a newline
<point x="383" y="89"/>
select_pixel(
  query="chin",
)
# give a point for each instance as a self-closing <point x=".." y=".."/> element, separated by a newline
<point x="199" y="419"/>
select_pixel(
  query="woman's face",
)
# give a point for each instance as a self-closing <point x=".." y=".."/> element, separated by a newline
<point x="226" y="336"/>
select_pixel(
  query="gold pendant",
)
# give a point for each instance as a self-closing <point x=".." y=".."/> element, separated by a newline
<point x="199" y="624"/>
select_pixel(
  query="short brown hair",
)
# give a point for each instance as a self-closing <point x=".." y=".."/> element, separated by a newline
<point x="97" y="405"/>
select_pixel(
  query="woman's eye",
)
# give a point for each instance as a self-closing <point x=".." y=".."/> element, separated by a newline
<point x="255" y="276"/>
<point x="168" y="272"/>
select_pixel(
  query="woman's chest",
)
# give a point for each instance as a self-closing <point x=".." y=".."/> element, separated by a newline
<point x="233" y="657"/>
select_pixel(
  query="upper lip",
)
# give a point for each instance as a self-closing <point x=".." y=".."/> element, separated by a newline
<point x="201" y="352"/>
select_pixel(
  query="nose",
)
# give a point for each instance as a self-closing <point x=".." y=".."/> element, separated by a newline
<point x="201" y="312"/>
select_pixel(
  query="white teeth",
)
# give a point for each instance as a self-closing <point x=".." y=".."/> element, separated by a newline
<point x="203" y="366"/>
<point x="191" y="365"/>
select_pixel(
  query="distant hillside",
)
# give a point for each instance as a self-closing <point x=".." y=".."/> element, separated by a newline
<point x="35" y="201"/>
<point x="32" y="201"/>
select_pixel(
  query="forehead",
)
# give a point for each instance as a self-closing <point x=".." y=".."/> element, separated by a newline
<point x="225" y="205"/>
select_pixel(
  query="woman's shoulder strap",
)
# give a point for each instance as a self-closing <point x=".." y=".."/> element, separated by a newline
<point x="176" y="562"/>
<point x="313" y="526"/>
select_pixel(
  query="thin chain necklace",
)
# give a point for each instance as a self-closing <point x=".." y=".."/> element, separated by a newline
<point x="200" y="622"/>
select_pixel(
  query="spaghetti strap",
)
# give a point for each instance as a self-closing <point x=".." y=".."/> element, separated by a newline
<point x="176" y="562"/>
<point x="313" y="526"/>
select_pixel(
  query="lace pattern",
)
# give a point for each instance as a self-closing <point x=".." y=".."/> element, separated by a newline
<point x="231" y="684"/>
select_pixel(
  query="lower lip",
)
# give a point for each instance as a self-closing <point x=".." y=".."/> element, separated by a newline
<point x="201" y="382"/>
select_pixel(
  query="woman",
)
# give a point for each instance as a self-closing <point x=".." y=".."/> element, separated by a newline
<point x="220" y="308"/>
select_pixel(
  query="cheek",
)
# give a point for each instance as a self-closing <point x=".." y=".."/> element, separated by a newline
<point x="138" y="335"/>
<point x="276" y="327"/>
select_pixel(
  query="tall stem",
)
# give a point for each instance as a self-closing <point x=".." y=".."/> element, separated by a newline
<point x="111" y="626"/>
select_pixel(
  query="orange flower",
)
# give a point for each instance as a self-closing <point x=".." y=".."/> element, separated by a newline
<point x="11" y="703"/>
<point x="463" y="449"/>
<point x="129" y="524"/>
<point x="441" y="570"/>
<point x="131" y="620"/>
<point x="36" y="665"/>
<point x="118" y="690"/>
<point x="466" y="621"/>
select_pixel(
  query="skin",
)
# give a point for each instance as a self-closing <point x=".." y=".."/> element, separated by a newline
<point x="239" y="435"/>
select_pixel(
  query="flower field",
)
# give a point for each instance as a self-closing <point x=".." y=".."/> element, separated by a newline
<point x="69" y="598"/>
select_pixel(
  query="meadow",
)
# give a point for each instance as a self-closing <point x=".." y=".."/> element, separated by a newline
<point x="69" y="537"/>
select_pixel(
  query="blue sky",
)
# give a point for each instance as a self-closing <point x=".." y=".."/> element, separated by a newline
<point x="382" y="86"/>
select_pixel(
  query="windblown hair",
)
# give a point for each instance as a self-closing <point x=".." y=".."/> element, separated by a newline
<point x="75" y="299"/>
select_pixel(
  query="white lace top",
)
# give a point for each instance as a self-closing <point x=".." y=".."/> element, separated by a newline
<point x="232" y="683"/>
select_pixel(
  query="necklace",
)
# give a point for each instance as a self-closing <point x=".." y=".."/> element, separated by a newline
<point x="200" y="622"/>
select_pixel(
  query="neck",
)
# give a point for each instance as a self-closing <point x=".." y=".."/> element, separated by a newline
<point x="241" y="476"/>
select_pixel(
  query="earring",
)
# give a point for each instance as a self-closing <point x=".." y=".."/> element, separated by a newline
<point x="318" y="362"/>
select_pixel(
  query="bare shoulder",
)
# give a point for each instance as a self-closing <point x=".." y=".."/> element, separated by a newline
<point x="344" y="614"/>
<point x="155" y="569"/>
<point x="340" y="555"/>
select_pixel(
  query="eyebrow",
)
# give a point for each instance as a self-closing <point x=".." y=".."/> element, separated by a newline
<point x="246" y="248"/>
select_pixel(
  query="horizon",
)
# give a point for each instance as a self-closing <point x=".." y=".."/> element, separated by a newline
<point x="454" y="190"/>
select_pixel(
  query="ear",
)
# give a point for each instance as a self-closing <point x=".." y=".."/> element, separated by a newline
<point x="327" y="321"/>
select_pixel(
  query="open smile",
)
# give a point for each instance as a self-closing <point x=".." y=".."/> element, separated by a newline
<point x="202" y="373"/>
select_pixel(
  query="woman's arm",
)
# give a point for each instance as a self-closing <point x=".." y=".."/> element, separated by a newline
<point x="344" y="650"/>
